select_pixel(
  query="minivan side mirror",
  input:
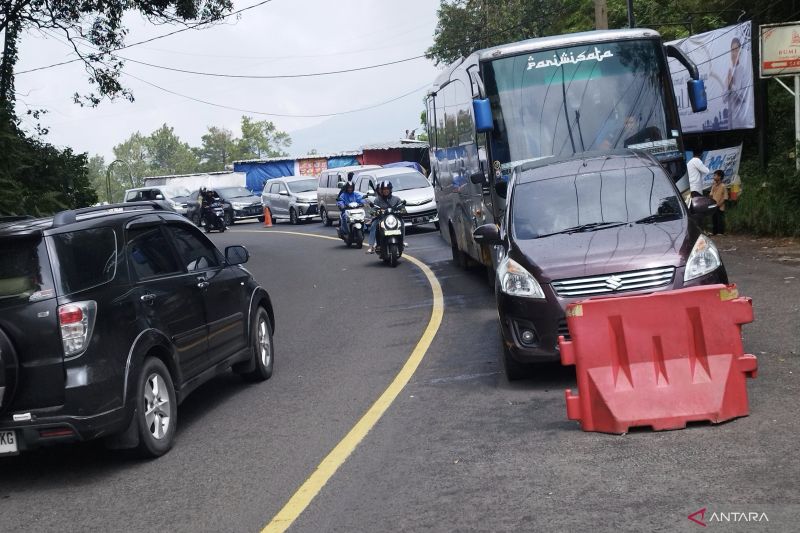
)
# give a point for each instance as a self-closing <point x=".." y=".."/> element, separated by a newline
<point x="702" y="206"/>
<point x="159" y="196"/>
<point x="487" y="234"/>
<point x="501" y="188"/>
<point x="483" y="115"/>
<point x="236" y="255"/>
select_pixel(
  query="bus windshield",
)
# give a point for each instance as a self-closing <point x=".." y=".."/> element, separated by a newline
<point x="600" y="96"/>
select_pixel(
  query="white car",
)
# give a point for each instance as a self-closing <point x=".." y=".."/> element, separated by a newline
<point x="177" y="198"/>
<point x="407" y="184"/>
<point x="293" y="198"/>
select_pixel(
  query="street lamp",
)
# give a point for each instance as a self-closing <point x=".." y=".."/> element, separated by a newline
<point x="108" y="177"/>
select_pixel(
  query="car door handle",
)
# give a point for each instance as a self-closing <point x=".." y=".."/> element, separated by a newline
<point x="148" y="298"/>
<point x="203" y="285"/>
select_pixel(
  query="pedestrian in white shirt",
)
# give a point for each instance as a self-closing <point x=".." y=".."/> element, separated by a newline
<point x="696" y="170"/>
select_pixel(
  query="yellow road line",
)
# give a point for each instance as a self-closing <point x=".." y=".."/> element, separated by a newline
<point x="339" y="454"/>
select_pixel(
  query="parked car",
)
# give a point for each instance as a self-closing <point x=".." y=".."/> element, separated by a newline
<point x="245" y="204"/>
<point x="330" y="183"/>
<point x="293" y="198"/>
<point x="176" y="198"/>
<point x="408" y="185"/>
<point x="110" y="316"/>
<point x="193" y="211"/>
<point x="584" y="226"/>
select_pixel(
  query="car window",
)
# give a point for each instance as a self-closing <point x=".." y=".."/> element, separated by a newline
<point x="195" y="252"/>
<point x="86" y="258"/>
<point x="282" y="188"/>
<point x="150" y="254"/>
<point x="131" y="196"/>
<point x="24" y="271"/>
<point x="273" y="188"/>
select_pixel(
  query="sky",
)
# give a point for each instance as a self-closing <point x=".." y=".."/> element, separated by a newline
<point x="280" y="37"/>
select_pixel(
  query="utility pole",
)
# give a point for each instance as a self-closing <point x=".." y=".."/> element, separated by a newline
<point x="600" y="15"/>
<point x="631" y="21"/>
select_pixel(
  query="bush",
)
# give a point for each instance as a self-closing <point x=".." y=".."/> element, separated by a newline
<point x="769" y="203"/>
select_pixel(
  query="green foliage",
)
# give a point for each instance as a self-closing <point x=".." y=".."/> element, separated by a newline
<point x="218" y="149"/>
<point x="37" y="178"/>
<point x="770" y="200"/>
<point x="260" y="139"/>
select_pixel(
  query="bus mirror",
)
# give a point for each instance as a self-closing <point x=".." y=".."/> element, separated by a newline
<point x="477" y="178"/>
<point x="697" y="95"/>
<point x="483" y="115"/>
<point x="501" y="188"/>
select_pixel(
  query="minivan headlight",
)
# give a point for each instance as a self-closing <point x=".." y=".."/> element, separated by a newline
<point x="516" y="281"/>
<point x="703" y="259"/>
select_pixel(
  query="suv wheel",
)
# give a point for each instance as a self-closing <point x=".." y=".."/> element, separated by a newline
<point x="229" y="219"/>
<point x="261" y="348"/>
<point x="293" y="216"/>
<point x="156" y="409"/>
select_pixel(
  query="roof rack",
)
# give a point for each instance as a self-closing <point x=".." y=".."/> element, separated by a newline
<point x="62" y="218"/>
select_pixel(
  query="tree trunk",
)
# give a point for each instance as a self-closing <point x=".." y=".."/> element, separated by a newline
<point x="7" y="65"/>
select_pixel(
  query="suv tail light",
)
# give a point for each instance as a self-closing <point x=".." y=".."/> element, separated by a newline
<point x="76" y="321"/>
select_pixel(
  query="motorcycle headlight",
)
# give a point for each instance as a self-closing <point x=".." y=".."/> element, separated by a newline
<point x="391" y="222"/>
<point x="516" y="281"/>
<point x="703" y="259"/>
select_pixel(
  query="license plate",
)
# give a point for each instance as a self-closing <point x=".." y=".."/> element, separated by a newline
<point x="8" y="443"/>
<point x="392" y="232"/>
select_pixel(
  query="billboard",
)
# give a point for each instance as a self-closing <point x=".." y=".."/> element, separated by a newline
<point x="780" y="49"/>
<point x="725" y="159"/>
<point x="724" y="58"/>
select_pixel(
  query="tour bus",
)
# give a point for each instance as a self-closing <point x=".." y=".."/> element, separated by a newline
<point x="547" y="97"/>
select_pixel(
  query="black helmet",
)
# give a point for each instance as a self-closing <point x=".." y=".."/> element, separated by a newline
<point x="385" y="184"/>
<point x="349" y="186"/>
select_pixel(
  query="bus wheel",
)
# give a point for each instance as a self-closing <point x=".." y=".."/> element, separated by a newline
<point x="459" y="257"/>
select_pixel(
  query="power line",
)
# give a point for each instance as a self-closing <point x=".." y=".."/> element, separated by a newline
<point x="265" y="76"/>
<point x="137" y="43"/>
<point x="282" y="115"/>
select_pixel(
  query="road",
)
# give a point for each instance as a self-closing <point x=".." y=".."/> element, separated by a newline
<point x="459" y="449"/>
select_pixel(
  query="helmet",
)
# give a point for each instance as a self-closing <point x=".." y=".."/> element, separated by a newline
<point x="349" y="186"/>
<point x="385" y="184"/>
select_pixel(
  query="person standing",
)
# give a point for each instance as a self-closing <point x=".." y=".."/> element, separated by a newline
<point x="696" y="170"/>
<point x="719" y="193"/>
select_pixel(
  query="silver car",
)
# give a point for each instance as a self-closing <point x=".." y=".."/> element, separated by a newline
<point x="330" y="184"/>
<point x="177" y="198"/>
<point x="293" y="198"/>
<point x="408" y="185"/>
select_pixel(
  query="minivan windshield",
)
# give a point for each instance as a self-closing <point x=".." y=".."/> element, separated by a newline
<point x="234" y="192"/>
<point x="410" y="180"/>
<point x="302" y="185"/>
<point x="592" y="202"/>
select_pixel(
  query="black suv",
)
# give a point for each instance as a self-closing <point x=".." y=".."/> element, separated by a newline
<point x="110" y="316"/>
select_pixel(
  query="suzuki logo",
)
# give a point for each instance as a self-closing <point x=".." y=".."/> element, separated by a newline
<point x="613" y="282"/>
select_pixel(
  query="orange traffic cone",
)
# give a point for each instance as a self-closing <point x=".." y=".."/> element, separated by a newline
<point x="267" y="218"/>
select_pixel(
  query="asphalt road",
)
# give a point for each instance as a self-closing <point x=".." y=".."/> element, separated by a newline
<point x="460" y="449"/>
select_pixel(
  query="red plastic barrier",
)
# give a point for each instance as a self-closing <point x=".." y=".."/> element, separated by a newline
<point x="659" y="360"/>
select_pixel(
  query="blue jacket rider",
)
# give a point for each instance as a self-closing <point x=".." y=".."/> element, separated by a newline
<point x="348" y="195"/>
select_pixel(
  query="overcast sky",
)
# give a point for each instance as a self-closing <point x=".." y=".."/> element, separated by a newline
<point x="280" y="37"/>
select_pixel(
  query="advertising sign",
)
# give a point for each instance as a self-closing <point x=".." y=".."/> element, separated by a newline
<point x="726" y="159"/>
<point x="724" y="58"/>
<point x="312" y="167"/>
<point x="780" y="49"/>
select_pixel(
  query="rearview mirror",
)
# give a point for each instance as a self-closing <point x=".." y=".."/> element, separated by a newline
<point x="483" y="115"/>
<point x="477" y="178"/>
<point x="159" y="196"/>
<point x="283" y="193"/>
<point x="236" y="255"/>
<point x="501" y="188"/>
<point x="487" y="234"/>
<point x="697" y="95"/>
<point x="702" y="206"/>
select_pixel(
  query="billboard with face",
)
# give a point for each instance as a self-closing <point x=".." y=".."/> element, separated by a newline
<point x="724" y="58"/>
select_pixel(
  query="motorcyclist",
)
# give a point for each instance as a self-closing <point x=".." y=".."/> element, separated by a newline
<point x="384" y="200"/>
<point x="347" y="196"/>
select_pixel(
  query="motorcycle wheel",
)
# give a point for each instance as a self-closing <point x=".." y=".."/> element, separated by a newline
<point x="393" y="254"/>
<point x="359" y="238"/>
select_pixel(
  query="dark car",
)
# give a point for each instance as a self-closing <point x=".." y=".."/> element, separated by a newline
<point x="245" y="204"/>
<point x="194" y="212"/>
<point x="591" y="225"/>
<point x="110" y="316"/>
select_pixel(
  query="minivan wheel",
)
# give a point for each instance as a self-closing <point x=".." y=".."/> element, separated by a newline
<point x="261" y="348"/>
<point x="293" y="216"/>
<point x="323" y="214"/>
<point x="514" y="369"/>
<point x="229" y="219"/>
<point x="156" y="409"/>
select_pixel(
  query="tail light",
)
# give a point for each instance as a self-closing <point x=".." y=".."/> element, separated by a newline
<point x="76" y="321"/>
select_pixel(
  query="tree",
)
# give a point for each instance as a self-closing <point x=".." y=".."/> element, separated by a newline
<point x="94" y="30"/>
<point x="134" y="151"/>
<point x="260" y="138"/>
<point x="218" y="149"/>
<point x="168" y="154"/>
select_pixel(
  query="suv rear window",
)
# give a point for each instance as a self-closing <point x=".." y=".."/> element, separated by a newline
<point x="24" y="271"/>
<point x="86" y="258"/>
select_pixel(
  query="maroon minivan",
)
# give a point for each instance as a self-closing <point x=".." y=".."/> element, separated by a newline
<point x="588" y="225"/>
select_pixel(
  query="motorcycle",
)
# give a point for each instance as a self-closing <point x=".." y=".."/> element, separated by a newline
<point x="352" y="231"/>
<point x="213" y="217"/>
<point x="389" y="234"/>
